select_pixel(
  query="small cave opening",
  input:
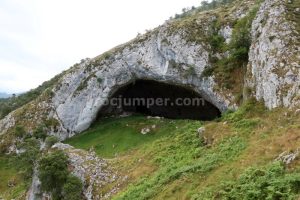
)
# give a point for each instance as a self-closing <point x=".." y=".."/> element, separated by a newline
<point x="155" y="98"/>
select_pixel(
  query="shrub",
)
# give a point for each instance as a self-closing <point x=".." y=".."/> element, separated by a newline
<point x="72" y="189"/>
<point x="20" y="131"/>
<point x="248" y="109"/>
<point x="238" y="49"/>
<point x="51" y="122"/>
<point x="40" y="132"/>
<point x="190" y="71"/>
<point x="53" y="173"/>
<point x="241" y="38"/>
<point x="271" y="182"/>
<point x="50" y="141"/>
<point x="25" y="161"/>
<point x="216" y="41"/>
<point x="99" y="80"/>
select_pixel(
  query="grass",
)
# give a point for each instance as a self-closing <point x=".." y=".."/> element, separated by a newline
<point x="8" y="174"/>
<point x="111" y="137"/>
<point x="174" y="162"/>
<point x="234" y="156"/>
<point x="180" y="166"/>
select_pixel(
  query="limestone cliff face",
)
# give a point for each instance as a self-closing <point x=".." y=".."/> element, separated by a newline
<point x="274" y="58"/>
<point x="168" y="54"/>
<point x="160" y="57"/>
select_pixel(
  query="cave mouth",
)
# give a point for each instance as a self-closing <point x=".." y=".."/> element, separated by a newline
<point x="155" y="98"/>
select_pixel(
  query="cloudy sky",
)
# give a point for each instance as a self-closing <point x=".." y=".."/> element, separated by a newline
<point x="41" y="38"/>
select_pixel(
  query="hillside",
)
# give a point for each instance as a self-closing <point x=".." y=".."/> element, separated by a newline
<point x="69" y="139"/>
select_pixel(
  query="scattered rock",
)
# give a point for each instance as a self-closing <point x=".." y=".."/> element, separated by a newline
<point x="144" y="131"/>
<point x="11" y="183"/>
<point x="154" y="117"/>
<point x="200" y="131"/>
<point x="288" y="157"/>
<point x="297" y="112"/>
<point x="62" y="146"/>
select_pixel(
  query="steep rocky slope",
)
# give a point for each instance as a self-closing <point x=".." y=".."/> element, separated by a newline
<point x="273" y="70"/>
<point x="178" y="52"/>
<point x="198" y="51"/>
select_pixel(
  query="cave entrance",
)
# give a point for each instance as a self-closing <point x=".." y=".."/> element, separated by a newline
<point x="159" y="99"/>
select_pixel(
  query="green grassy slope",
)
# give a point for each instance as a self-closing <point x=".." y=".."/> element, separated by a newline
<point x="11" y="183"/>
<point x="117" y="136"/>
<point x="233" y="159"/>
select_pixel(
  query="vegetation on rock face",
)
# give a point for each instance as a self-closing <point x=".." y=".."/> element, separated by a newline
<point x="50" y="141"/>
<point x="40" y="132"/>
<point x="230" y="69"/>
<point x="26" y="160"/>
<point x="56" y="179"/>
<point x="20" y="131"/>
<point x="205" y="5"/>
<point x="71" y="189"/>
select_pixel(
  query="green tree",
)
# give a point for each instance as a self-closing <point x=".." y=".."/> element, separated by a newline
<point x="72" y="189"/>
<point x="26" y="160"/>
<point x="53" y="173"/>
<point x="241" y="38"/>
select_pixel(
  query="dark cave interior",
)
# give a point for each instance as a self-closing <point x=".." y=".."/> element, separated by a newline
<point x="155" y="98"/>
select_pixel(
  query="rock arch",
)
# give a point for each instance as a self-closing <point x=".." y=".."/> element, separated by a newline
<point x="159" y="99"/>
<point x="85" y="88"/>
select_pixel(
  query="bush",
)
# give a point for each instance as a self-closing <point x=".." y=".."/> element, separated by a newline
<point x="50" y="141"/>
<point x="238" y="48"/>
<point x="25" y="161"/>
<point x="40" y="132"/>
<point x="72" y="189"/>
<point x="56" y="179"/>
<point x="53" y="173"/>
<point x="20" y="131"/>
<point x="271" y="182"/>
<point x="216" y="42"/>
<point x="241" y="38"/>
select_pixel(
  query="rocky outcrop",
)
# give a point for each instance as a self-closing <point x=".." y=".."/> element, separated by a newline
<point x="162" y="56"/>
<point x="7" y="123"/>
<point x="274" y="68"/>
<point x="100" y="182"/>
<point x="288" y="157"/>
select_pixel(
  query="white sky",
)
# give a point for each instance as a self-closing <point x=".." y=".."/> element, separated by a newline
<point x="41" y="38"/>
